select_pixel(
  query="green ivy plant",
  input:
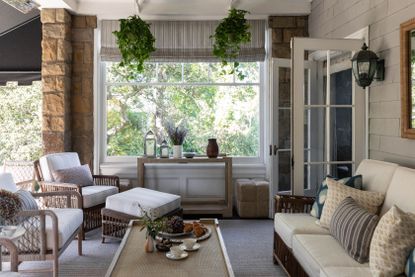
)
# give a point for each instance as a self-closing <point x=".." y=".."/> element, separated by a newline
<point x="230" y="34"/>
<point x="135" y="42"/>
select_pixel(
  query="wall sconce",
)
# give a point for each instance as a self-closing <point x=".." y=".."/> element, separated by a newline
<point x="367" y="66"/>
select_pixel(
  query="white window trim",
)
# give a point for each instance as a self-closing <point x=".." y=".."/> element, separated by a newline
<point x="101" y="158"/>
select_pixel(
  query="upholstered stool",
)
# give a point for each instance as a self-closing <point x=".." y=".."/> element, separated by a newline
<point x="122" y="207"/>
<point x="252" y="198"/>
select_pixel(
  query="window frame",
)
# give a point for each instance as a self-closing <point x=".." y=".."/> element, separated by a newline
<point x="101" y="123"/>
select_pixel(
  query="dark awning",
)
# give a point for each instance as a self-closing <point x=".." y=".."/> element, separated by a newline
<point x="21" y="53"/>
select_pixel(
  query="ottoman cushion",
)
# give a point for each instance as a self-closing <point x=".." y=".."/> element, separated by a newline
<point x="159" y="203"/>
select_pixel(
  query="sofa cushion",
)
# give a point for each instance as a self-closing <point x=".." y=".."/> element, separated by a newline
<point x="353" y="228"/>
<point x="68" y="221"/>
<point x="337" y="192"/>
<point x="7" y="183"/>
<point x="376" y="174"/>
<point x="95" y="195"/>
<point x="80" y="175"/>
<point x="401" y="191"/>
<point x="287" y="225"/>
<point x="392" y="242"/>
<point x="160" y="203"/>
<point x="337" y="271"/>
<point x="56" y="161"/>
<point x="314" y="252"/>
<point x="317" y="209"/>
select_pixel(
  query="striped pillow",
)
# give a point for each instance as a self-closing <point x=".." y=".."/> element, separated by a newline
<point x="353" y="228"/>
<point x="27" y="200"/>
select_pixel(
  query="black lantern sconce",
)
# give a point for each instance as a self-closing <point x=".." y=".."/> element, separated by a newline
<point x="367" y="66"/>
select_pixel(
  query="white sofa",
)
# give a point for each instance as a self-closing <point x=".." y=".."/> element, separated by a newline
<point x="304" y="248"/>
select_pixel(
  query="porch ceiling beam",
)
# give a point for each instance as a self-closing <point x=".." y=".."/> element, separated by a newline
<point x="71" y="5"/>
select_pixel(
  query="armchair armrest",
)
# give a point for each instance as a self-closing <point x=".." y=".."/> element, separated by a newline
<point x="7" y="243"/>
<point x="61" y="200"/>
<point x="106" y="180"/>
<point x="72" y="197"/>
<point x="293" y="203"/>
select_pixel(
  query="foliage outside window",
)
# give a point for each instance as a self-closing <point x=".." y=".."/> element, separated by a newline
<point x="209" y="103"/>
<point x="20" y="122"/>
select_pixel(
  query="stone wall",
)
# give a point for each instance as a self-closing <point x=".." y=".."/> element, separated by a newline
<point x="338" y="19"/>
<point x="67" y="76"/>
<point x="56" y="79"/>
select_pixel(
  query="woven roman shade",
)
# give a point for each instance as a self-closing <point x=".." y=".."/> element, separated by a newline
<point x="184" y="41"/>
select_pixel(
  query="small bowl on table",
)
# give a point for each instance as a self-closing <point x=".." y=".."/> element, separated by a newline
<point x="189" y="155"/>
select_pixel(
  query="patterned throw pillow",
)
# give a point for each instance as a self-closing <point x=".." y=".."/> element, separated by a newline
<point x="353" y="228"/>
<point x="337" y="192"/>
<point x="392" y="242"/>
<point x="27" y="200"/>
<point x="354" y="182"/>
<point x="80" y="175"/>
<point x="410" y="265"/>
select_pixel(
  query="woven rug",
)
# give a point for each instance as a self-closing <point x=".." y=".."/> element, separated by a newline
<point x="248" y="243"/>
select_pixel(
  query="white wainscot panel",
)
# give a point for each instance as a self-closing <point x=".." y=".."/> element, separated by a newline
<point x="200" y="187"/>
<point x="169" y="185"/>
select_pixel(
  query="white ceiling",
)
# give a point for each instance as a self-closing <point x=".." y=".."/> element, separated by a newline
<point x="179" y="9"/>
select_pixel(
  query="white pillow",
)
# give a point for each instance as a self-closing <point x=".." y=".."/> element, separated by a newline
<point x="7" y="183"/>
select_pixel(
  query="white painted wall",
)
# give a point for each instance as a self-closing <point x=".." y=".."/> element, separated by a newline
<point x="340" y="18"/>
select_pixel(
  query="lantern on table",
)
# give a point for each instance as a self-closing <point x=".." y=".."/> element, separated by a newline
<point x="164" y="149"/>
<point x="150" y="145"/>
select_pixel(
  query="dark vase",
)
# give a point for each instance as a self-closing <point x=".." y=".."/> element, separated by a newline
<point x="212" y="149"/>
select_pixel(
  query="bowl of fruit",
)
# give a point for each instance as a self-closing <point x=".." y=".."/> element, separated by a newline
<point x="174" y="227"/>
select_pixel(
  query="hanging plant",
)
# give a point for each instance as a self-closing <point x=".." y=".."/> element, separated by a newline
<point x="135" y="42"/>
<point x="230" y="34"/>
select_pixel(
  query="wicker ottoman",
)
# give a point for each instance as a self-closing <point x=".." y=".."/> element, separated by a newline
<point x="122" y="207"/>
<point x="252" y="198"/>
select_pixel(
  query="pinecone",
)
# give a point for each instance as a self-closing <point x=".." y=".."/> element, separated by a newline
<point x="175" y="225"/>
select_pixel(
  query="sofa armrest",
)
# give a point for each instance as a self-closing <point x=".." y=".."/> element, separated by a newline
<point x="293" y="203"/>
<point x="73" y="198"/>
<point x="106" y="180"/>
<point x="60" y="200"/>
<point x="12" y="248"/>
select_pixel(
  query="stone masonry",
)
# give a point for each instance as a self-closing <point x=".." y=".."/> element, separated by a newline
<point x="67" y="77"/>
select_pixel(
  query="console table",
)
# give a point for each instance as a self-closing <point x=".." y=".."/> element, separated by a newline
<point x="215" y="207"/>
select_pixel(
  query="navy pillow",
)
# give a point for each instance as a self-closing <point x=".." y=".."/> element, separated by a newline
<point x="410" y="265"/>
<point x="317" y="209"/>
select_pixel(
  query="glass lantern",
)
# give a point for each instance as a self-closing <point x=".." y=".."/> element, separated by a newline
<point x="150" y="145"/>
<point x="364" y="65"/>
<point x="164" y="149"/>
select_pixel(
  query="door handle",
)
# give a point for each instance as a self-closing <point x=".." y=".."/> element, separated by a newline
<point x="275" y="150"/>
<point x="270" y="150"/>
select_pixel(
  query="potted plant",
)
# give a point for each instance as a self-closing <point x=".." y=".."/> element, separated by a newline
<point x="135" y="42"/>
<point x="177" y="136"/>
<point x="152" y="226"/>
<point x="230" y="34"/>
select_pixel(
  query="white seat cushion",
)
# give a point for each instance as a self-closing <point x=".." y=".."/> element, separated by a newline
<point x="68" y="221"/>
<point x="345" y="272"/>
<point x="56" y="161"/>
<point x="314" y="252"/>
<point x="95" y="195"/>
<point x="287" y="225"/>
<point x="7" y="183"/>
<point x="160" y="203"/>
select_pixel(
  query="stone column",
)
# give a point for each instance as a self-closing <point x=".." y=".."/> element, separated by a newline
<point x="56" y="80"/>
<point x="82" y="97"/>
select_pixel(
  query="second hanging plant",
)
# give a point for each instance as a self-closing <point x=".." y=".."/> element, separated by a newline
<point x="135" y="42"/>
<point x="230" y="34"/>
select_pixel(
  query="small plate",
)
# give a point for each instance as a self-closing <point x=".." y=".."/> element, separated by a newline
<point x="196" y="247"/>
<point x="170" y="256"/>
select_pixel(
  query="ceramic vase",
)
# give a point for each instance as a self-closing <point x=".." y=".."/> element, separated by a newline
<point x="212" y="149"/>
<point x="149" y="245"/>
<point x="177" y="151"/>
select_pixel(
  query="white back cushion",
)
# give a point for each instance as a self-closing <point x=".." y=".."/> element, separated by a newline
<point x="56" y="161"/>
<point x="7" y="183"/>
<point x="401" y="191"/>
<point x="376" y="175"/>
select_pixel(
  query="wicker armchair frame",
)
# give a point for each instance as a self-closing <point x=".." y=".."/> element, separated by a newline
<point x="115" y="224"/>
<point x="282" y="253"/>
<point x="12" y="249"/>
<point x="32" y="245"/>
<point x="92" y="215"/>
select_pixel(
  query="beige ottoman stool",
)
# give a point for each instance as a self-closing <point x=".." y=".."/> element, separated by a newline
<point x="252" y="198"/>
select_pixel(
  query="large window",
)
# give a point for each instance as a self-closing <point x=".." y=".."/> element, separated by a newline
<point x="209" y="103"/>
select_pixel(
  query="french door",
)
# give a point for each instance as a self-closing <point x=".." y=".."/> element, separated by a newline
<point x="317" y="116"/>
<point x="327" y="112"/>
